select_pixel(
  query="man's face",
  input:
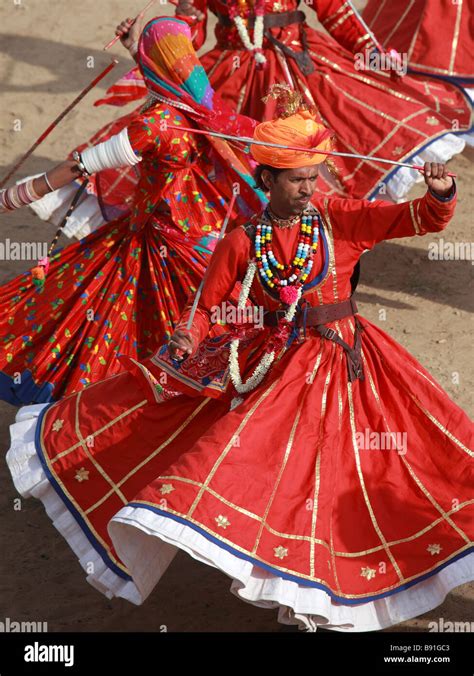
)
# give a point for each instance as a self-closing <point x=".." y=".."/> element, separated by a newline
<point x="292" y="189"/>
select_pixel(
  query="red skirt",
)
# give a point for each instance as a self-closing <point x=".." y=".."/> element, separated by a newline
<point x="112" y="292"/>
<point x="370" y="113"/>
<point x="343" y="505"/>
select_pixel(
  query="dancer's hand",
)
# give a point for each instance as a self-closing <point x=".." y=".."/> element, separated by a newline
<point x="58" y="177"/>
<point x="436" y="178"/>
<point x="129" y="31"/>
<point x="187" y="8"/>
<point x="181" y="340"/>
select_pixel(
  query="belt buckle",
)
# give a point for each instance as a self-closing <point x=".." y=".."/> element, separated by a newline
<point x="330" y="334"/>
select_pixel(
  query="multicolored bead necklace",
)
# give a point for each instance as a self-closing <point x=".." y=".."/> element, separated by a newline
<point x="289" y="274"/>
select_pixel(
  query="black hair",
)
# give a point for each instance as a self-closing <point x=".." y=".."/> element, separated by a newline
<point x="258" y="175"/>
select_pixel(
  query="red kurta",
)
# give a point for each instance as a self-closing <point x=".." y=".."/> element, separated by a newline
<point x="286" y="493"/>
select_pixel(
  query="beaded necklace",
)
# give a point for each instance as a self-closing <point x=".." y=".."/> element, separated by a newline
<point x="275" y="274"/>
<point x="290" y="288"/>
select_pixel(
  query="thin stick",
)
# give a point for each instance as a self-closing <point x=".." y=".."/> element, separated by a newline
<point x="371" y="34"/>
<point x="246" y="139"/>
<point x="139" y="16"/>
<point x="57" y="121"/>
<point x="71" y="208"/>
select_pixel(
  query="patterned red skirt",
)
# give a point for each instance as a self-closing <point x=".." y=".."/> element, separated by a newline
<point x="341" y="504"/>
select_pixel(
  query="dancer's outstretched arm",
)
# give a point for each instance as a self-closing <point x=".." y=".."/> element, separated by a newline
<point x="129" y="31"/>
<point x="116" y="153"/>
<point x="363" y="223"/>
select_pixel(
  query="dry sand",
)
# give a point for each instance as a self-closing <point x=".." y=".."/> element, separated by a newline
<point x="45" y="46"/>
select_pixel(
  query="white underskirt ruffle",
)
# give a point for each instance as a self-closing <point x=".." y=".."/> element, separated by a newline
<point x="441" y="150"/>
<point x="138" y="534"/>
<point x="147" y="542"/>
<point x="403" y="180"/>
<point x="31" y="481"/>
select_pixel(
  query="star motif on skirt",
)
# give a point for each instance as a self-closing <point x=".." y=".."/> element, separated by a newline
<point x="166" y="488"/>
<point x="280" y="552"/>
<point x="277" y="6"/>
<point x="367" y="572"/>
<point x="432" y="121"/>
<point x="82" y="474"/>
<point x="434" y="549"/>
<point x="222" y="521"/>
<point x="398" y="151"/>
<point x="57" y="425"/>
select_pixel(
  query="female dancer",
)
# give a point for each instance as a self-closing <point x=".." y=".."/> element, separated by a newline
<point x="122" y="288"/>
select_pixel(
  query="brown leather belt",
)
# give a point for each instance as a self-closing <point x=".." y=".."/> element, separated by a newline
<point x="321" y="314"/>
<point x="281" y="19"/>
<point x="324" y="314"/>
<point x="269" y="20"/>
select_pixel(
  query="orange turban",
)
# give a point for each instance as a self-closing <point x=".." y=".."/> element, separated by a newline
<point x="299" y="129"/>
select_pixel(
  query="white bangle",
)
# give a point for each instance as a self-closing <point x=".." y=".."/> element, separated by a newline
<point x="116" y="152"/>
<point x="45" y="176"/>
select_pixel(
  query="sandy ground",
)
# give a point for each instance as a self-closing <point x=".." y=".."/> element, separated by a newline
<point x="425" y="305"/>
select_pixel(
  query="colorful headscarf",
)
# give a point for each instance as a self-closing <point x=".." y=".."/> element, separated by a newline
<point x="171" y="68"/>
<point x="169" y="64"/>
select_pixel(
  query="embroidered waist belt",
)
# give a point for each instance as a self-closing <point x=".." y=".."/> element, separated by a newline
<point x="281" y="19"/>
<point x="321" y="315"/>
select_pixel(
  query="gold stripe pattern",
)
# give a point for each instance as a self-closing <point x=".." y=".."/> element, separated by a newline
<point x="454" y="46"/>
<point x="288" y="449"/>
<point x="402" y="17"/>
<point x="91" y="458"/>
<point x="413" y="219"/>
<point x="71" y="499"/>
<point x="363" y="487"/>
<point x="95" y="434"/>
<point x="218" y="536"/>
<point x="154" y="453"/>
<point x="230" y="444"/>
<point x="330" y="18"/>
<point x="340" y="21"/>
<point x="317" y="470"/>
<point x="307" y="538"/>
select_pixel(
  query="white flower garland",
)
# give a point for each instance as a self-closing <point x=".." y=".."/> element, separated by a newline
<point x="257" y="36"/>
<point x="262" y="368"/>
